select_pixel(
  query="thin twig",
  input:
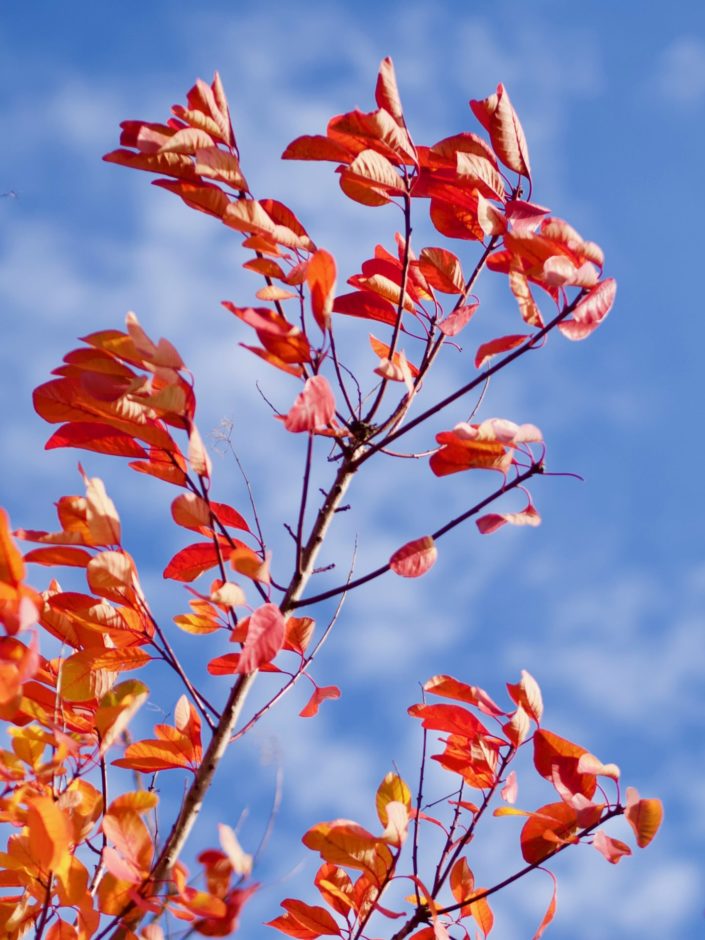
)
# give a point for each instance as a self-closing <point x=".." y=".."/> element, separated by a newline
<point x="533" y="470"/>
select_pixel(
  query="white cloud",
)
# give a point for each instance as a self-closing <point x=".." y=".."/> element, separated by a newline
<point x="680" y="72"/>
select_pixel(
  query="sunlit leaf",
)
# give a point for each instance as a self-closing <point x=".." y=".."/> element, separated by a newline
<point x="319" y="695"/>
<point x="265" y="637"/>
<point x="415" y="558"/>
<point x="644" y="816"/>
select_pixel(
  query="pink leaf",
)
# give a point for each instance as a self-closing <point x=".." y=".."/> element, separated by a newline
<point x="494" y="520"/>
<point x="591" y="311"/>
<point x="456" y="320"/>
<point x="265" y="637"/>
<point x="415" y="558"/>
<point x="314" y="407"/>
<point x="510" y="788"/>
<point x="612" y="849"/>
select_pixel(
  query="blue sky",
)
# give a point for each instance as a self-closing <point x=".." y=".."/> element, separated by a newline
<point x="604" y="602"/>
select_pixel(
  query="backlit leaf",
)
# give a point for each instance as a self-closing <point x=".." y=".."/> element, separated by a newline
<point x="320" y="277"/>
<point x="391" y="790"/>
<point x="319" y="695"/>
<point x="457" y="320"/>
<point x="265" y="637"/>
<point x="546" y="830"/>
<point x="415" y="558"/>
<point x="492" y="521"/>
<point x="591" y="311"/>
<point x="499" y="118"/>
<point x="644" y="816"/>
<point x="612" y="849"/>
<point x="314" y="408"/>
<point x="494" y="346"/>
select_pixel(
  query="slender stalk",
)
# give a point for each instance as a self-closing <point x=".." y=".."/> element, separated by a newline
<point x="533" y="866"/>
<point x="231" y="713"/>
<point x="533" y="470"/>
<point x="400" y="309"/>
<point x="470" y="386"/>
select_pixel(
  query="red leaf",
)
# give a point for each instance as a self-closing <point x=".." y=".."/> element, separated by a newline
<point x="191" y="562"/>
<point x="265" y="637"/>
<point x="415" y="558"/>
<point x="100" y="438"/>
<point x="314" y="408"/>
<point x="366" y="304"/>
<point x="320" y="694"/>
<point x="502" y="344"/>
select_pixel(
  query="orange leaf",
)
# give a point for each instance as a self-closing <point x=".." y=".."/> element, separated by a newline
<point x="320" y="277"/>
<point x="442" y="270"/>
<point x="11" y="564"/>
<point x="546" y="830"/>
<point x="462" y="882"/>
<point x="550" y="910"/>
<point x="150" y="756"/>
<point x="298" y="633"/>
<point x="415" y="558"/>
<point x="320" y="694"/>
<point x="499" y="119"/>
<point x="391" y="790"/>
<point x="49" y="832"/>
<point x="343" y="842"/>
<point x="644" y="816"/>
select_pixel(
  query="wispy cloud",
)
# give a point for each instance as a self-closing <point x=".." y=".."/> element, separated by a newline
<point x="679" y="75"/>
